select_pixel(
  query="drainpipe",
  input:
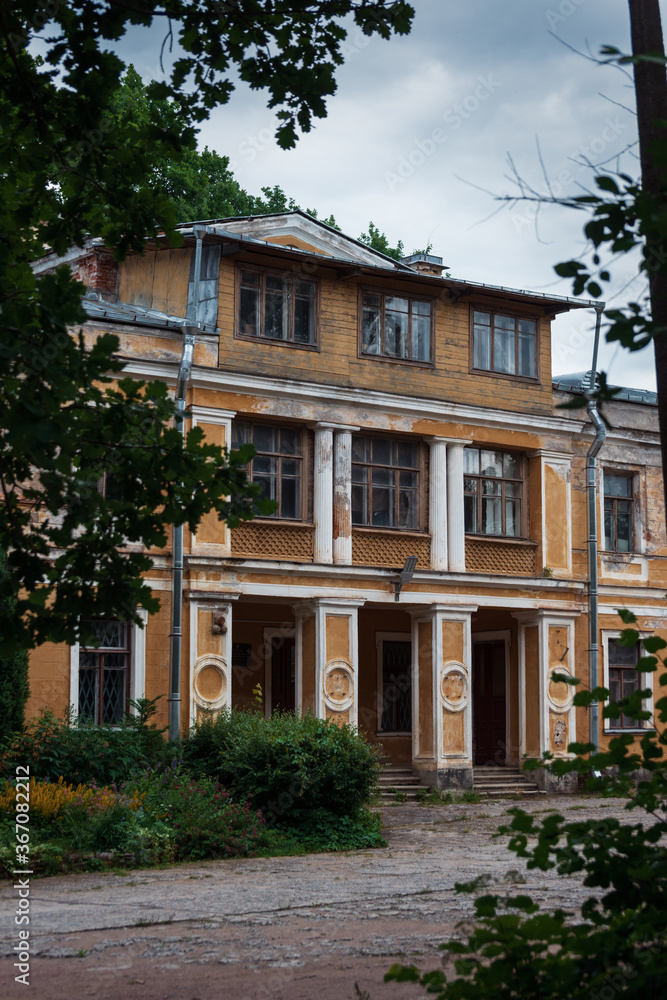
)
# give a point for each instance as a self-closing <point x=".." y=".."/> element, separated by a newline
<point x="189" y="337"/>
<point x="598" y="441"/>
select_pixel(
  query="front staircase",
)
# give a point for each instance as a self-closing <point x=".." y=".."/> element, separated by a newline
<point x="495" y="782"/>
<point x="399" y="783"/>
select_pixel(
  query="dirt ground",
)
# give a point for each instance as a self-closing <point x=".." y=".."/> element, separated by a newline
<point x="306" y="928"/>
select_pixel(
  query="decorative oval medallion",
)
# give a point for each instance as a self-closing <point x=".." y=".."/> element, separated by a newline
<point x="454" y="686"/>
<point x="559" y="694"/>
<point x="210" y="682"/>
<point x="338" y="685"/>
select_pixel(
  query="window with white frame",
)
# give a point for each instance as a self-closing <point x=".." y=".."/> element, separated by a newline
<point x="618" y="512"/>
<point x="104" y="673"/>
<point x="492" y="492"/>
<point x="622" y="678"/>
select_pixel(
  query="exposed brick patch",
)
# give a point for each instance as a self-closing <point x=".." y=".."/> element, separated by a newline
<point x="99" y="272"/>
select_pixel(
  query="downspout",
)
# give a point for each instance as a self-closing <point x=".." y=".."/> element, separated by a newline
<point x="189" y="337"/>
<point x="598" y="441"/>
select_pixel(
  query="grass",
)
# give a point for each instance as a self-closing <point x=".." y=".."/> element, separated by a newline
<point x="436" y="797"/>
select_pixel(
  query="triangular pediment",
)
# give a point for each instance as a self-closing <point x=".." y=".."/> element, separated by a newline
<point x="302" y="232"/>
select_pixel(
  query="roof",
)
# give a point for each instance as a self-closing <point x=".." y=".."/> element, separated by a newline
<point x="264" y="233"/>
<point x="578" y="382"/>
<point x="124" y="312"/>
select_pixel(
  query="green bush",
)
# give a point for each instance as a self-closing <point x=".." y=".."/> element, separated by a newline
<point x="201" y="820"/>
<point x="82" y="752"/>
<point x="289" y="766"/>
<point x="100" y="824"/>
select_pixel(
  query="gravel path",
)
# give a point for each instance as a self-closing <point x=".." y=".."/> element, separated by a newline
<point x="305" y="928"/>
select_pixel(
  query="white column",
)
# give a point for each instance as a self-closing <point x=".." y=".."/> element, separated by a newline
<point x="210" y="681"/>
<point x="342" y="498"/>
<point x="455" y="516"/>
<point x="437" y="470"/>
<point x="323" y="494"/>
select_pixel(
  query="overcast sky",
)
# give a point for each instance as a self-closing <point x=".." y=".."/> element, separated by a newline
<point x="421" y="123"/>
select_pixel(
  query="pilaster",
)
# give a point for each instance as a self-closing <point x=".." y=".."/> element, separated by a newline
<point x="210" y="654"/>
<point x="442" y="718"/>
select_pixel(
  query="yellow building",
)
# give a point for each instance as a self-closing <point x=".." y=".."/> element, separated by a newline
<point x="397" y="415"/>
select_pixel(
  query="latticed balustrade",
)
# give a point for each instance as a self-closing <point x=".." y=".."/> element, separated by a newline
<point x="491" y="556"/>
<point x="259" y="540"/>
<point x="389" y="548"/>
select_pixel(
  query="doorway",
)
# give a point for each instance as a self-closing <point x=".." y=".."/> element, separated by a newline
<point x="394" y="682"/>
<point x="489" y="703"/>
<point x="282" y="695"/>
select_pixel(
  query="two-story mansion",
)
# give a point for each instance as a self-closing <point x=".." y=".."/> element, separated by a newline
<point x="400" y="418"/>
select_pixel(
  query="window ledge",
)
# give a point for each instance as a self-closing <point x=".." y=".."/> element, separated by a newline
<point x="393" y="732"/>
<point x="502" y="540"/>
<point x="373" y="529"/>
<point x="412" y="362"/>
<point x="278" y="521"/>
<point x="275" y="342"/>
<point x="527" y="379"/>
<point x="633" y="732"/>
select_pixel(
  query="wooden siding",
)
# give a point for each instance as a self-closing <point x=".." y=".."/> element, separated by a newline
<point x="338" y="361"/>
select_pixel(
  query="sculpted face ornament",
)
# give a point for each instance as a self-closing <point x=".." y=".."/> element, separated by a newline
<point x="454" y="686"/>
<point x="338" y="685"/>
<point x="559" y="734"/>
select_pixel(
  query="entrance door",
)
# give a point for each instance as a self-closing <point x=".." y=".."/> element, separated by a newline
<point x="283" y="674"/>
<point x="489" y="703"/>
<point x="396" y="687"/>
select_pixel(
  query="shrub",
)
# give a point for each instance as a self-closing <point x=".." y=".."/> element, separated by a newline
<point x="289" y="766"/>
<point x="203" y="822"/>
<point x="49" y="799"/>
<point x="321" y="830"/>
<point x="84" y="753"/>
<point x="100" y="819"/>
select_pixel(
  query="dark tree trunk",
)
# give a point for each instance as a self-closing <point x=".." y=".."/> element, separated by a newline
<point x="651" y="95"/>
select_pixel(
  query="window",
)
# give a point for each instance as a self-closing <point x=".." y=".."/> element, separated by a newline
<point x="277" y="306"/>
<point x="396" y="327"/>
<point x="492" y="492"/>
<point x="618" y="504"/>
<point x="623" y="679"/>
<point x="504" y="344"/>
<point x="385" y="483"/>
<point x="277" y="465"/>
<point x="103" y="673"/>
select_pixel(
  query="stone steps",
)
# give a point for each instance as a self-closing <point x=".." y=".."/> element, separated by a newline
<point x="499" y="781"/>
<point x="398" y="783"/>
<point x="400" y="780"/>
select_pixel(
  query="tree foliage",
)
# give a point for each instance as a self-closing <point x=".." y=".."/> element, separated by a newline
<point x="71" y="168"/>
<point x="617" y="945"/>
<point x="378" y="241"/>
<point x="14" y="685"/>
